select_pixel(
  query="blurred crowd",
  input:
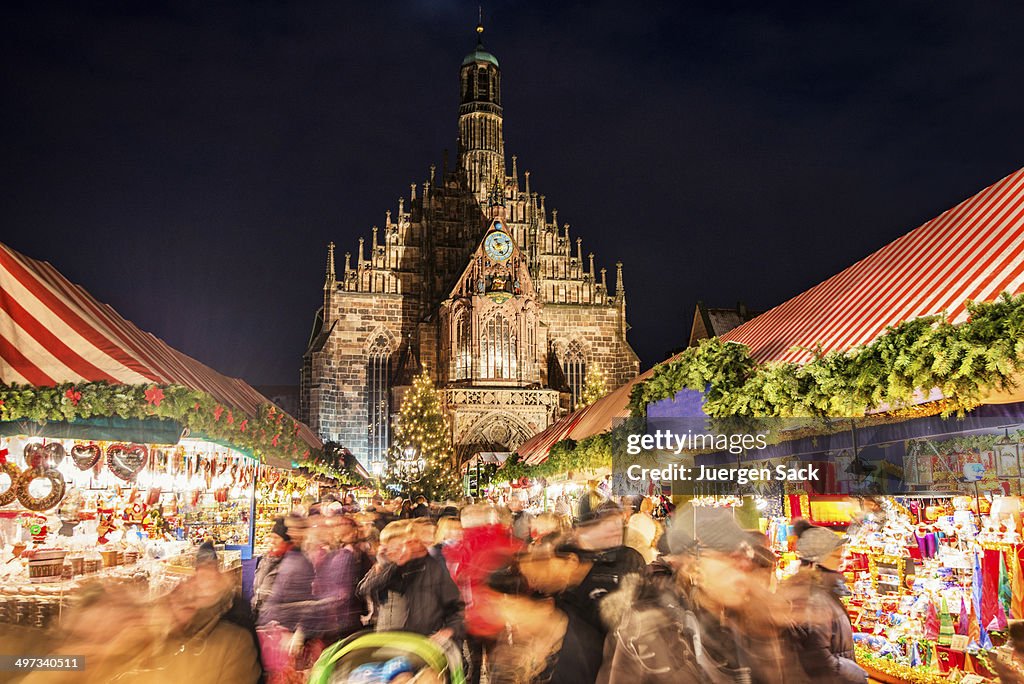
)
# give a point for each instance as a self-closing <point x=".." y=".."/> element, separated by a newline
<point x="607" y="593"/>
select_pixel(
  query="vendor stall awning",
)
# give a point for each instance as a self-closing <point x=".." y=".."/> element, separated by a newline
<point x="973" y="251"/>
<point x="488" y="458"/>
<point x="53" y="331"/>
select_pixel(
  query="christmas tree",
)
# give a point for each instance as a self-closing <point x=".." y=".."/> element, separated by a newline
<point x="594" y="387"/>
<point x="420" y="460"/>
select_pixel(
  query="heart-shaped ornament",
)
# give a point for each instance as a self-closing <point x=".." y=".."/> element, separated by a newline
<point x="126" y="461"/>
<point x="55" y="454"/>
<point x="85" y="456"/>
<point x="35" y="454"/>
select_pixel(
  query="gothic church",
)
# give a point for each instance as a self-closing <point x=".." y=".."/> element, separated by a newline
<point x="473" y="281"/>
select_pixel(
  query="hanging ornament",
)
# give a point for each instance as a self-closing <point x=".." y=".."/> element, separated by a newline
<point x="126" y="461"/>
<point x="13" y="472"/>
<point x="85" y="456"/>
<point x="45" y="501"/>
<point x="34" y="455"/>
<point x="54" y="454"/>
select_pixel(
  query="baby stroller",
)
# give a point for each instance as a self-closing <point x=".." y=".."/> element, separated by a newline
<point x="388" y="658"/>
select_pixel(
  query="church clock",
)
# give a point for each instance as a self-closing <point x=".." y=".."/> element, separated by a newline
<point x="498" y="246"/>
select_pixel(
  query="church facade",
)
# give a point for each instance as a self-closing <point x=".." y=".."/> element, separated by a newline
<point x="475" y="282"/>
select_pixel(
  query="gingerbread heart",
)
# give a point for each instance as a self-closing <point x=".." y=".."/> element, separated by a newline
<point x="85" y="456"/>
<point x="126" y="461"/>
<point x="55" y="454"/>
<point x="35" y="454"/>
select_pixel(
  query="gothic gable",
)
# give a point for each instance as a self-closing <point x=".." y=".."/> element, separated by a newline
<point x="497" y="269"/>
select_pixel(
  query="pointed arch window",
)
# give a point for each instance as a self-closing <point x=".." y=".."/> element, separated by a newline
<point x="378" y="399"/>
<point x="463" y="351"/>
<point x="574" y="365"/>
<point x="498" y="349"/>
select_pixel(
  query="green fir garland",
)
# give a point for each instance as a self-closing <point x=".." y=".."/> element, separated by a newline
<point x="270" y="433"/>
<point x="330" y="462"/>
<point x="962" y="361"/>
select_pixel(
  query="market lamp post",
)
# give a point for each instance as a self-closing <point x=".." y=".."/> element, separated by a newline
<point x="411" y="466"/>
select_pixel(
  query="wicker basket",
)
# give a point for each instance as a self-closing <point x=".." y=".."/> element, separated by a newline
<point x="46" y="565"/>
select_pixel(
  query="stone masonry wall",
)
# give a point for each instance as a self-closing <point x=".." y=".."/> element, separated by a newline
<point x="338" y="378"/>
<point x="597" y="328"/>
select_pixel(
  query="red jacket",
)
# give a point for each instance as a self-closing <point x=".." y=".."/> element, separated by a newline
<point x="481" y="551"/>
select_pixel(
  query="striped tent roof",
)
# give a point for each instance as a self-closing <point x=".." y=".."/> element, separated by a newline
<point x="973" y="251"/>
<point x="53" y="331"/>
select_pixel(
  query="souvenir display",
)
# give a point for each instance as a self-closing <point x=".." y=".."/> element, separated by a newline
<point x="73" y="509"/>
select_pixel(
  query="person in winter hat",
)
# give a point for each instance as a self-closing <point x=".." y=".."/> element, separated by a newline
<point x="823" y="629"/>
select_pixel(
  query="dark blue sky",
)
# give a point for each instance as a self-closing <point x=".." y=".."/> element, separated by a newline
<point x="187" y="163"/>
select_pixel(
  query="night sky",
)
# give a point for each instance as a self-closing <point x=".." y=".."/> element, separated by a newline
<point x="188" y="163"/>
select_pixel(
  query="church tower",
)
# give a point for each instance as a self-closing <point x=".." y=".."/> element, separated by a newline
<point x="481" y="141"/>
<point x="471" y="279"/>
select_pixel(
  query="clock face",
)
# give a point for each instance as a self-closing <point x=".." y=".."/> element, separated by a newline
<point x="498" y="246"/>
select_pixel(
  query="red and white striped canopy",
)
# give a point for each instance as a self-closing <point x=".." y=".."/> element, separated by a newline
<point x="973" y="251"/>
<point x="53" y="331"/>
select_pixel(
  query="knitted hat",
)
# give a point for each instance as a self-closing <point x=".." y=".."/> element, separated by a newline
<point x="605" y="509"/>
<point x="818" y="542"/>
<point x="206" y="555"/>
<point x="696" y="527"/>
<point x="280" y="529"/>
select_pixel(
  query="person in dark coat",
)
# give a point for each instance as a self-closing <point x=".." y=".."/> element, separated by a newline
<point x="823" y="631"/>
<point x="337" y="613"/>
<point x="413" y="590"/>
<point x="541" y="642"/>
<point x="714" y="621"/>
<point x="421" y="509"/>
<point x="598" y="543"/>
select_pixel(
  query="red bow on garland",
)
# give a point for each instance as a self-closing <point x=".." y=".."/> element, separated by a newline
<point x="154" y="395"/>
<point x="3" y="456"/>
<point x="74" y="395"/>
<point x="244" y="424"/>
<point x="217" y="413"/>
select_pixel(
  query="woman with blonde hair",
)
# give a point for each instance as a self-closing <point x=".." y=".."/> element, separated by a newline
<point x="643" y="531"/>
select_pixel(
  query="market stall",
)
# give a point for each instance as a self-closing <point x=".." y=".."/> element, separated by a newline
<point x="901" y="376"/>
<point x="117" y="452"/>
